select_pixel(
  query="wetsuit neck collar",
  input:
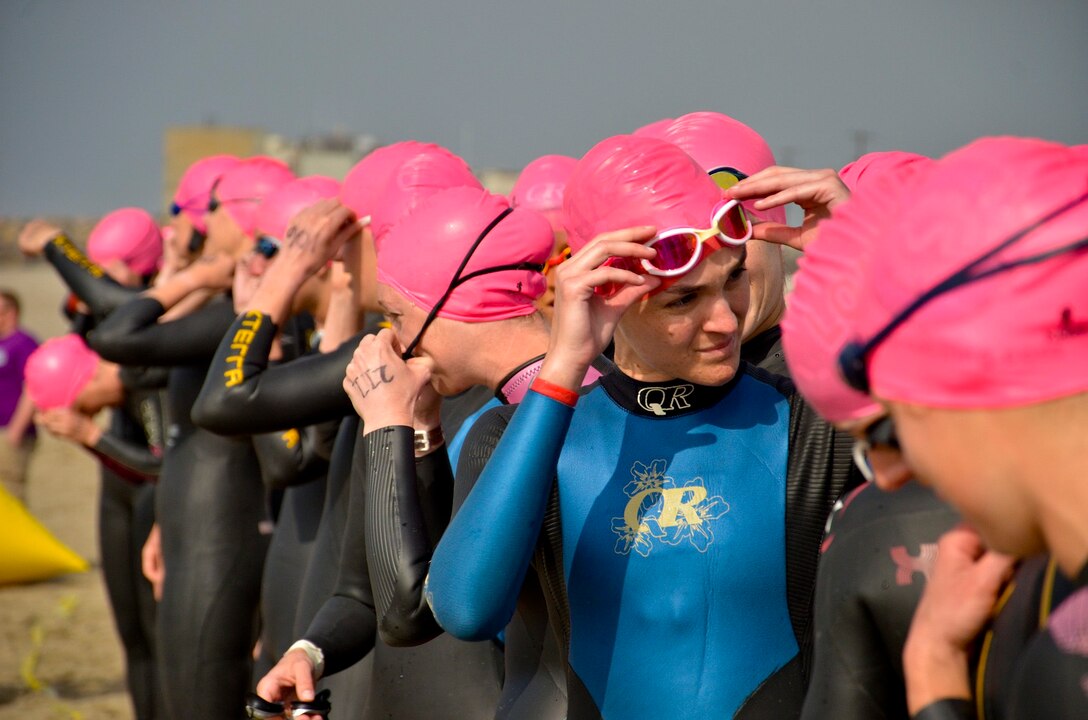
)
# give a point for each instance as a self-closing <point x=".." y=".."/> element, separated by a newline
<point x="672" y="398"/>
<point x="513" y="387"/>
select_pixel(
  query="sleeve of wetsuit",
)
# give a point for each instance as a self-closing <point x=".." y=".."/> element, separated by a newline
<point x="131" y="461"/>
<point x="132" y="334"/>
<point x="404" y="494"/>
<point x="851" y="676"/>
<point x="947" y="710"/>
<point x="288" y="458"/>
<point x="481" y="562"/>
<point x="89" y="282"/>
<point x="242" y="394"/>
<point x="346" y="626"/>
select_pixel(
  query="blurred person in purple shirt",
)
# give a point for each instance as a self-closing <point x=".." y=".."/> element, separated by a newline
<point x="17" y="434"/>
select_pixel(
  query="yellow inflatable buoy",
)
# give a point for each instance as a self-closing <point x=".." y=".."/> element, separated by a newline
<point x="28" y="551"/>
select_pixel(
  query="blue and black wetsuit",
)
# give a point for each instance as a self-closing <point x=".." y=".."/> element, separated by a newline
<point x="674" y="528"/>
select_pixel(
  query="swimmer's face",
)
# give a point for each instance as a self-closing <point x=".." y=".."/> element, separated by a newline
<point x="692" y="330"/>
<point x="968" y="457"/>
<point x="225" y="236"/>
<point x="441" y="343"/>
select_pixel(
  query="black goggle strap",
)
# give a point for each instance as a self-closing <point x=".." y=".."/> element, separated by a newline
<point x="854" y="358"/>
<point x="457" y="280"/>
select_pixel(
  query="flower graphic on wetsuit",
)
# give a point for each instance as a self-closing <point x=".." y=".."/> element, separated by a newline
<point x="659" y="508"/>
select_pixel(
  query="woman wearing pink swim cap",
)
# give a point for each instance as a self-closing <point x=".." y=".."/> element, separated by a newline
<point x="458" y="278"/>
<point x="969" y="337"/>
<point x="670" y="483"/>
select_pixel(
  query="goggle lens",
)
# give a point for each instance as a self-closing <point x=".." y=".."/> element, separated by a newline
<point x="733" y="223"/>
<point x="675" y="251"/>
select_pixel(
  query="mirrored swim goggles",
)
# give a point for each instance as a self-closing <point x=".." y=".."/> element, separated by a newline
<point x="680" y="249"/>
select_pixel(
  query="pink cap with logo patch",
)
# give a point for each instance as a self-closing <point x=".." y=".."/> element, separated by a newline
<point x="129" y="235"/>
<point x="1015" y="338"/>
<point x="58" y="370"/>
<point x="419" y="256"/>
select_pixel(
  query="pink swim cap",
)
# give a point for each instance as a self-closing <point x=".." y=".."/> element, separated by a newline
<point x="541" y="184"/>
<point x="718" y="141"/>
<point x="419" y="256"/>
<point x="364" y="184"/>
<point x="58" y="370"/>
<point x="195" y="187"/>
<point x="829" y="291"/>
<point x="129" y="235"/>
<point x="876" y="164"/>
<point x="242" y="189"/>
<point x="426" y="170"/>
<point x="653" y="129"/>
<point x="629" y="180"/>
<point x="276" y="211"/>
<point x="1019" y="337"/>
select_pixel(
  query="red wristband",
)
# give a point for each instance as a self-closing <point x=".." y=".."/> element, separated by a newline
<point x="555" y="392"/>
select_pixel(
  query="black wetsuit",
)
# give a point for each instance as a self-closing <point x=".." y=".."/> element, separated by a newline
<point x="402" y="531"/>
<point x="879" y="549"/>
<point x="878" y="552"/>
<point x="209" y="505"/>
<point x="622" y="447"/>
<point x="1032" y="662"/>
<point x="130" y="454"/>
<point x="252" y="396"/>
<point x="765" y="351"/>
<point x="445" y="678"/>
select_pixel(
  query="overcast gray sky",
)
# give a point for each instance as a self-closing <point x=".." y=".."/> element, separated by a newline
<point x="87" y="86"/>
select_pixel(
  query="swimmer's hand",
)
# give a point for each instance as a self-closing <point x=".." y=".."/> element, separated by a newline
<point x="35" y="235"/>
<point x="384" y="389"/>
<point x="817" y="192"/>
<point x="71" y="425"/>
<point x="151" y="561"/>
<point x="292" y="678"/>
<point x="316" y="234"/>
<point x="959" y="599"/>
<point x="584" y="318"/>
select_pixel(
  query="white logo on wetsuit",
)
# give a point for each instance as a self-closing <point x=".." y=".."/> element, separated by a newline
<point x="661" y="400"/>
